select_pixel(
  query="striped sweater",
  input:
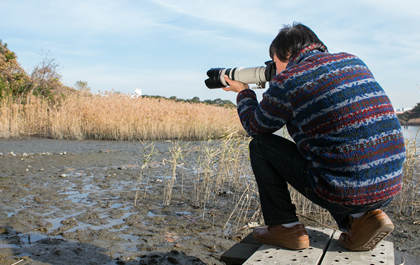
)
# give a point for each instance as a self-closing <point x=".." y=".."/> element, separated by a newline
<point x="341" y="120"/>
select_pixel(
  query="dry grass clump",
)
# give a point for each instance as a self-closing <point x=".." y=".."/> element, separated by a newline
<point x="415" y="121"/>
<point x="115" y="117"/>
<point x="408" y="200"/>
<point x="223" y="168"/>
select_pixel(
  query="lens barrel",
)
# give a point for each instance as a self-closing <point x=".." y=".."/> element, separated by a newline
<point x="251" y="75"/>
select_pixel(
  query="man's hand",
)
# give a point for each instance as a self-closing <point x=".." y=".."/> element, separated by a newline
<point x="235" y="86"/>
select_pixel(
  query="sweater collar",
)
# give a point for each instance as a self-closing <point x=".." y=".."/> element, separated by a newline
<point x="305" y="51"/>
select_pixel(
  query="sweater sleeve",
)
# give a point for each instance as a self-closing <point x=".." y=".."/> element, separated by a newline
<point x="270" y="115"/>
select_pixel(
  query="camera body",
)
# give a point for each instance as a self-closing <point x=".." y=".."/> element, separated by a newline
<point x="252" y="75"/>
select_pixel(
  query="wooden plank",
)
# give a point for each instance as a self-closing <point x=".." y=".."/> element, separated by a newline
<point x="319" y="238"/>
<point x="336" y="254"/>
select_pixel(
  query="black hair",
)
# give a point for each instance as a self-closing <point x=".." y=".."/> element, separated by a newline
<point x="291" y="39"/>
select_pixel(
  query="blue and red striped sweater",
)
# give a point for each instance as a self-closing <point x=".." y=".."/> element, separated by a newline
<point x="341" y="120"/>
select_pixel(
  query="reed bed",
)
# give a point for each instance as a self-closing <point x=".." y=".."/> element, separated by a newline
<point x="115" y="117"/>
<point x="223" y="168"/>
<point x="408" y="200"/>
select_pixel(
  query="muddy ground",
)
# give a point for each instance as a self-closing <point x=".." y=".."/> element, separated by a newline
<point x="72" y="202"/>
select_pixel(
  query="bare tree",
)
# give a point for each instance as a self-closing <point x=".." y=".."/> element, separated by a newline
<point x="45" y="77"/>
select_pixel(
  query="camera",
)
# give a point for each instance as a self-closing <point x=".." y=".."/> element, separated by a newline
<point x="252" y="75"/>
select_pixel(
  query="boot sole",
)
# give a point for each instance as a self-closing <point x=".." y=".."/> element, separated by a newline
<point x="378" y="235"/>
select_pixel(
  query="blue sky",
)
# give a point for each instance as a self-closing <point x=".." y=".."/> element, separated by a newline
<point x="165" y="47"/>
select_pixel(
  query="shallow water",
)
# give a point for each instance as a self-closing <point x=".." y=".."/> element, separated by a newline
<point x="412" y="133"/>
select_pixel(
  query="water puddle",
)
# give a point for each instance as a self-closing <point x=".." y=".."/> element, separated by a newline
<point x="150" y="214"/>
<point x="9" y="246"/>
<point x="184" y="213"/>
<point x="57" y="222"/>
<point x="116" y="205"/>
<point x="129" y="237"/>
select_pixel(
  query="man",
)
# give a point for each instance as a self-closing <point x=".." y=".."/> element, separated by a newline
<point x="348" y="149"/>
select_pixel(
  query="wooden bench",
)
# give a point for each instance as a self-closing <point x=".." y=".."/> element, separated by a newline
<point x="324" y="249"/>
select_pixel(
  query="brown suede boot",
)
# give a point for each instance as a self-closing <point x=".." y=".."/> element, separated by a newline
<point x="367" y="231"/>
<point x="295" y="237"/>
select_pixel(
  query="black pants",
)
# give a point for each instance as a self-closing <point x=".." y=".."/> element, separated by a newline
<point x="276" y="161"/>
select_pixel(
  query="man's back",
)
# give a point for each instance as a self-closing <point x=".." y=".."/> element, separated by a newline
<point x="341" y="120"/>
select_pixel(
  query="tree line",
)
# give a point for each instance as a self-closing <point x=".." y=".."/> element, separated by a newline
<point x="216" y="102"/>
<point x="411" y="116"/>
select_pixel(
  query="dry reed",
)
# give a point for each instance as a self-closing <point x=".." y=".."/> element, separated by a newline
<point x="224" y="169"/>
<point x="408" y="200"/>
<point x="115" y="117"/>
<point x="177" y="155"/>
<point x="147" y="158"/>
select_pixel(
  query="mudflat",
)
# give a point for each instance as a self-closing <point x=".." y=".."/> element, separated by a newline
<point x="74" y="202"/>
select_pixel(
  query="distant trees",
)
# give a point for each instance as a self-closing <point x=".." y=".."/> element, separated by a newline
<point x="43" y="81"/>
<point x="46" y="79"/>
<point x="83" y="87"/>
<point x="416" y="111"/>
<point x="195" y="100"/>
<point x="410" y="115"/>
<point x="13" y="79"/>
<point x="217" y="102"/>
<point x="220" y="102"/>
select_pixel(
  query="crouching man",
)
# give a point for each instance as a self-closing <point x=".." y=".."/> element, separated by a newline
<point x="347" y="152"/>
